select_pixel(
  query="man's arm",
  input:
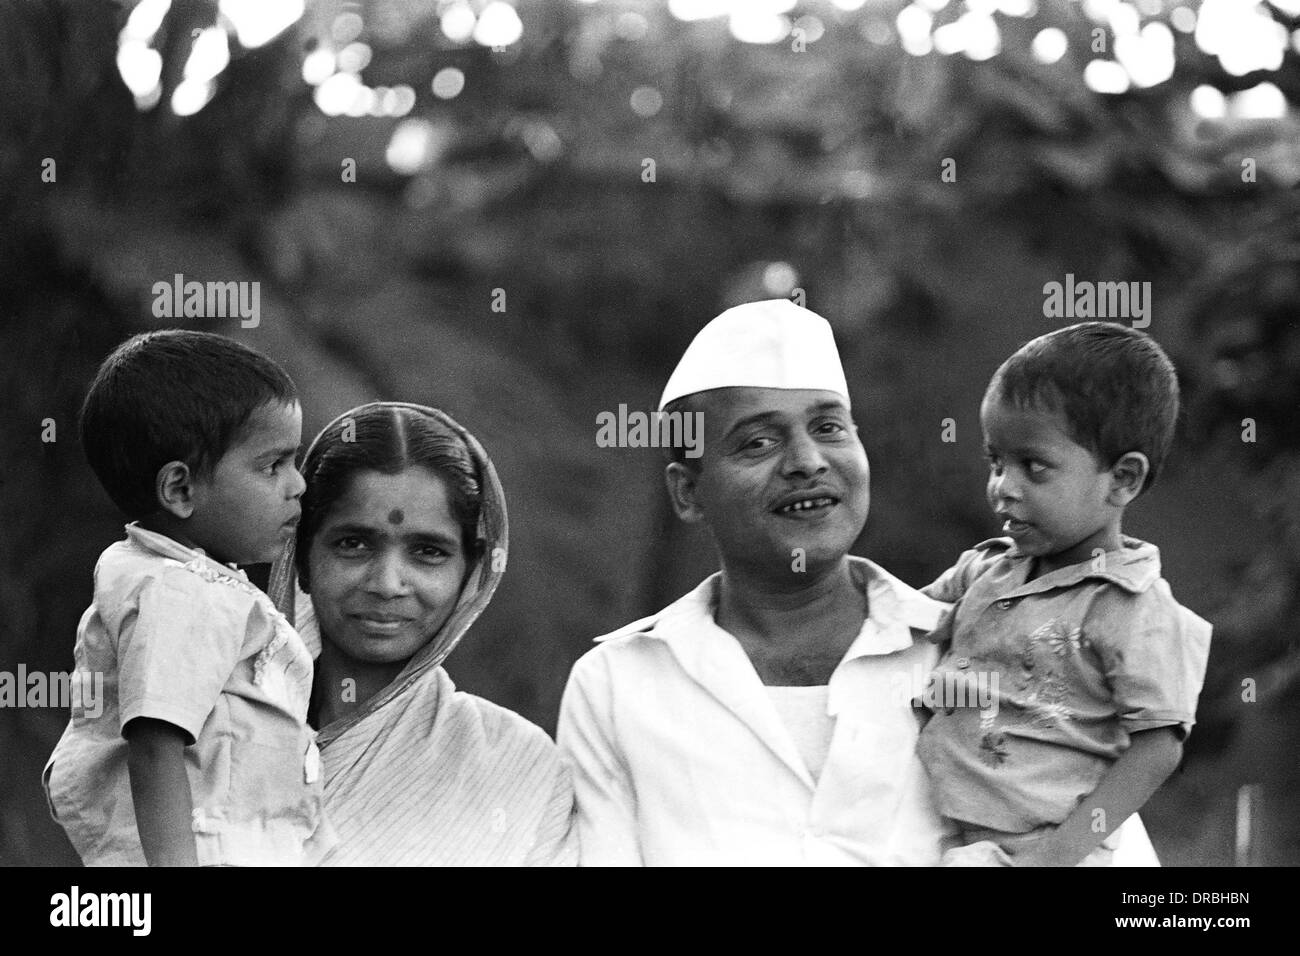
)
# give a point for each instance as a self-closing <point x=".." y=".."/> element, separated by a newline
<point x="160" y="790"/>
<point x="1123" y="790"/>
<point x="605" y="799"/>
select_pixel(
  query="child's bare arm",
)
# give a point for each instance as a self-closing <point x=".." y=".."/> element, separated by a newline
<point x="160" y="789"/>
<point x="1123" y="790"/>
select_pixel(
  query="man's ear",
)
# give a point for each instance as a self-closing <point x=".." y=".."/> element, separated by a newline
<point x="174" y="489"/>
<point x="683" y="491"/>
<point x="1128" y="476"/>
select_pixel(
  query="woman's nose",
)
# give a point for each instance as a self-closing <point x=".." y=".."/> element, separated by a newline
<point x="384" y="576"/>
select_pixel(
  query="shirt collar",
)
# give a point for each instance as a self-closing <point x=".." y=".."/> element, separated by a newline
<point x="1135" y="566"/>
<point x="167" y="547"/>
<point x="894" y="611"/>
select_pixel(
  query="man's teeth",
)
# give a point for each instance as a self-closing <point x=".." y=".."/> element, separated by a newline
<point x="808" y="505"/>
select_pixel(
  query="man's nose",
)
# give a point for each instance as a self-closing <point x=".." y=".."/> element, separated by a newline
<point x="804" y="456"/>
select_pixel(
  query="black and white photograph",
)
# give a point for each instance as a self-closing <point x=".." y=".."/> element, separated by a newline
<point x="652" y="433"/>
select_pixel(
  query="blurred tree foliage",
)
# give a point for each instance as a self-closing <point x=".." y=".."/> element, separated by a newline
<point x="774" y="168"/>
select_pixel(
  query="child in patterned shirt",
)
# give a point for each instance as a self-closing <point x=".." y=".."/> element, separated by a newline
<point x="1070" y="675"/>
<point x="202" y="754"/>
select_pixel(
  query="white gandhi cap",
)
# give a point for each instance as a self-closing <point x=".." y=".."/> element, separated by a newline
<point x="770" y="344"/>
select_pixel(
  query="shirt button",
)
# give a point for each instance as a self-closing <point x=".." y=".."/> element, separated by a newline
<point x="1005" y="604"/>
<point x="962" y="662"/>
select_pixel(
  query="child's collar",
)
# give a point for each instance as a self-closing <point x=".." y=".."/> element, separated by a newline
<point x="1134" y="566"/>
<point x="166" y="547"/>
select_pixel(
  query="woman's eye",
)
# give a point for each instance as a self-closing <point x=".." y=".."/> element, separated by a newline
<point x="349" y="544"/>
<point x="1036" y="469"/>
<point x="431" y="552"/>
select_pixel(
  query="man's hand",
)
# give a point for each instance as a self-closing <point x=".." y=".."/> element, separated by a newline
<point x="160" y="790"/>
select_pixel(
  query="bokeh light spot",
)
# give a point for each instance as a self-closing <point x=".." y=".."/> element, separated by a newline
<point x="318" y="66"/>
<point x="751" y="25"/>
<point x="498" y="25"/>
<point x="190" y="96"/>
<point x="412" y="147"/>
<point x="448" y="83"/>
<point x="354" y="57"/>
<point x="457" y="22"/>
<point x="779" y="279"/>
<point x="346" y="28"/>
<point x="631" y="26"/>
<point x="209" y="55"/>
<point x="1049" y="45"/>
<point x="1106" y="76"/>
<point x="258" y="22"/>
<point x="646" y="101"/>
<point x="1208" y="103"/>
<point x="139" y="66"/>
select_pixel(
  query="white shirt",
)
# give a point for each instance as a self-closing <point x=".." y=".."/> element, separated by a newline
<point x="803" y="712"/>
<point x="680" y="758"/>
<point x="182" y="638"/>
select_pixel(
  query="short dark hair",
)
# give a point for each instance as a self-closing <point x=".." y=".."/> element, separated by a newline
<point x="172" y="395"/>
<point x="388" y="439"/>
<point x="1116" y="388"/>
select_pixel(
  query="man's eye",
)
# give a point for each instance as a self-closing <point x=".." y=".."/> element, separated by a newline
<point x="757" y="443"/>
<point x="831" y="428"/>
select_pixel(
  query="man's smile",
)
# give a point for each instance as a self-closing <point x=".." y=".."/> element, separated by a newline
<point x="806" y="504"/>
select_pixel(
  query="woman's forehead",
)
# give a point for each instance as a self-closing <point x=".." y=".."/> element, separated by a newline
<point x="410" y="498"/>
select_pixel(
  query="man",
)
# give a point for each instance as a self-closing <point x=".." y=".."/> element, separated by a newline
<point x="765" y="717"/>
<point x="759" y="719"/>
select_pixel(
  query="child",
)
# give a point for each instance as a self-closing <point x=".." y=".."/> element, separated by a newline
<point x="1090" y="668"/>
<point x="202" y="755"/>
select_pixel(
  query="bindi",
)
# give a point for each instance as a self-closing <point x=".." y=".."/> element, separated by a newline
<point x="395" y="516"/>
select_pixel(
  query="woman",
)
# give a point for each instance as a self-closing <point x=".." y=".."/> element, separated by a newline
<point x="401" y="544"/>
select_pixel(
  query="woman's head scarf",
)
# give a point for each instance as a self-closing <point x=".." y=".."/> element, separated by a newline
<point x="481" y="577"/>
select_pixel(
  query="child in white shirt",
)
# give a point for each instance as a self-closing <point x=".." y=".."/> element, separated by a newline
<point x="202" y="754"/>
